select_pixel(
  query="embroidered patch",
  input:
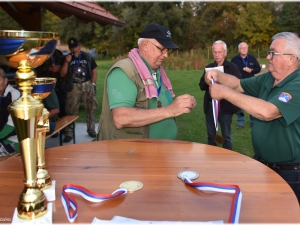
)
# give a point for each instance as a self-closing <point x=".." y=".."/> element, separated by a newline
<point x="284" y="97"/>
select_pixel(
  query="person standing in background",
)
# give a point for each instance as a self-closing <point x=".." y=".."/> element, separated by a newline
<point x="219" y="50"/>
<point x="80" y="71"/>
<point x="248" y="67"/>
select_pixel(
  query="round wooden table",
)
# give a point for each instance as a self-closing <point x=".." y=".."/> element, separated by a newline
<point x="102" y="166"/>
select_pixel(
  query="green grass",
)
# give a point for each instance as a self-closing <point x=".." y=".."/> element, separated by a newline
<point x="191" y="126"/>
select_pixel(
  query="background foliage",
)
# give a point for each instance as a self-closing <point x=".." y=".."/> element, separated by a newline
<point x="194" y="25"/>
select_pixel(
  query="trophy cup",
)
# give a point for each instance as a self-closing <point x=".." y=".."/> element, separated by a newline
<point x="42" y="87"/>
<point x="26" y="50"/>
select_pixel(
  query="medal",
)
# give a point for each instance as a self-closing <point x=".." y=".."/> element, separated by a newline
<point x="188" y="174"/>
<point x="132" y="185"/>
<point x="159" y="104"/>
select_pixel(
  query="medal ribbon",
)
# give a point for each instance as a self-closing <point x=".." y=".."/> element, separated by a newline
<point x="70" y="204"/>
<point x="224" y="188"/>
<point x="216" y="108"/>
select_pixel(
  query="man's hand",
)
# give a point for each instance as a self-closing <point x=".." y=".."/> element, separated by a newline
<point x="247" y="69"/>
<point x="68" y="58"/>
<point x="182" y="104"/>
<point x="217" y="91"/>
<point x="211" y="74"/>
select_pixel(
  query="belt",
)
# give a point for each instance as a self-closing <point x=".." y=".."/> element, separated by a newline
<point x="280" y="166"/>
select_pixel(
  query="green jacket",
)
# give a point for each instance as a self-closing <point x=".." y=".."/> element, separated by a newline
<point x="106" y="128"/>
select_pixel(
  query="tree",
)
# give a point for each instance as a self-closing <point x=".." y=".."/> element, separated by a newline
<point x="288" y="18"/>
<point x="255" y="24"/>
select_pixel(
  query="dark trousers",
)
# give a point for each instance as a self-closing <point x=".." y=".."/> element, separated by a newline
<point x="61" y="95"/>
<point x="225" y="121"/>
<point x="292" y="177"/>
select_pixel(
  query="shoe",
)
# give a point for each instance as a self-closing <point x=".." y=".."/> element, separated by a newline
<point x="92" y="134"/>
<point x="239" y="127"/>
<point x="67" y="139"/>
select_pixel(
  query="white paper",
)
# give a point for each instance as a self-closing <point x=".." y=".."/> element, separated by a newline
<point x="220" y="68"/>
<point x="124" y="220"/>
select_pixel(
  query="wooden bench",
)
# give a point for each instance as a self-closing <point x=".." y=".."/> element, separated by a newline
<point x="61" y="123"/>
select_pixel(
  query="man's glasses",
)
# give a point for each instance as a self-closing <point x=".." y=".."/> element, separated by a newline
<point x="163" y="50"/>
<point x="272" y="54"/>
<point x="218" y="52"/>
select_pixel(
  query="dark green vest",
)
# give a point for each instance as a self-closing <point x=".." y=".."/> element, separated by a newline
<point x="106" y="128"/>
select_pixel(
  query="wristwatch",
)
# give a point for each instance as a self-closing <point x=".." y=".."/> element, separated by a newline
<point x="94" y="84"/>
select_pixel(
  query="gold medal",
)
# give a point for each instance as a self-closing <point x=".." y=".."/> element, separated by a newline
<point x="132" y="185"/>
<point x="159" y="104"/>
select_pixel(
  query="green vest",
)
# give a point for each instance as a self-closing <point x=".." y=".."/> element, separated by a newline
<point x="106" y="128"/>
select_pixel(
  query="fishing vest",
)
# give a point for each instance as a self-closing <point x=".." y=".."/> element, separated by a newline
<point x="106" y="128"/>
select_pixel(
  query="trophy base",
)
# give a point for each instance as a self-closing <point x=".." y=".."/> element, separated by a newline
<point x="45" y="219"/>
<point x="50" y="192"/>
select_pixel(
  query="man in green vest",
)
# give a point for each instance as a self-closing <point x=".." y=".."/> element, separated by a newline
<point x="274" y="101"/>
<point x="138" y="96"/>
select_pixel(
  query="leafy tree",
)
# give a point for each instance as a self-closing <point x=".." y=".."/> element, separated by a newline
<point x="255" y="24"/>
<point x="7" y="23"/>
<point x="288" y="18"/>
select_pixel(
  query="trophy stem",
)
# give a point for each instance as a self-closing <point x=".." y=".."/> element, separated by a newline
<point x="43" y="177"/>
<point x="25" y="113"/>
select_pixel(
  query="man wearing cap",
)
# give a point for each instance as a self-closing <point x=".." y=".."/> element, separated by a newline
<point x="137" y="100"/>
<point x="80" y="72"/>
<point x="8" y="137"/>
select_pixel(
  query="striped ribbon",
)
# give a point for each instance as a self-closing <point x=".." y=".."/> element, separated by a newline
<point x="70" y="204"/>
<point x="216" y="108"/>
<point x="225" y="188"/>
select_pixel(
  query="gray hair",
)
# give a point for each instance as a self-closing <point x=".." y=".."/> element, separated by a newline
<point x="242" y="43"/>
<point x="292" y="42"/>
<point x="140" y="41"/>
<point x="2" y="73"/>
<point x="220" y="42"/>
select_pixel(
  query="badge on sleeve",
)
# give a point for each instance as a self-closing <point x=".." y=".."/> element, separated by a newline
<point x="284" y="97"/>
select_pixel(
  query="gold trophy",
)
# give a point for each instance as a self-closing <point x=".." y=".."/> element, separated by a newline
<point x="26" y="50"/>
<point x="42" y="87"/>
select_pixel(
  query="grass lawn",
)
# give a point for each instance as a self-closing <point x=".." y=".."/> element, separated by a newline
<point x="191" y="126"/>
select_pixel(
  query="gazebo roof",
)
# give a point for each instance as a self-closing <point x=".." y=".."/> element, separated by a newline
<point x="28" y="14"/>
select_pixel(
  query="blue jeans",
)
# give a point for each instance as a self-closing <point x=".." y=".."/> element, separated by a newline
<point x="225" y="121"/>
<point x="241" y="118"/>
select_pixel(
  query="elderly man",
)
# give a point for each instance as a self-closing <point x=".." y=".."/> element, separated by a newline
<point x="8" y="139"/>
<point x="219" y="50"/>
<point x="273" y="99"/>
<point x="248" y="66"/>
<point x="80" y="70"/>
<point x="137" y="100"/>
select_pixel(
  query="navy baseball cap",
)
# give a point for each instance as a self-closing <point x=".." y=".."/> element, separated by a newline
<point x="73" y="42"/>
<point x="159" y="33"/>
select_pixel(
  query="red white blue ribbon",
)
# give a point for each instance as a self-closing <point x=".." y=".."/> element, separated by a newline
<point x="216" y="108"/>
<point x="70" y="204"/>
<point x="225" y="188"/>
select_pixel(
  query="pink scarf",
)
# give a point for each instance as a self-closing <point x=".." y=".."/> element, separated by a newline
<point x="151" y="91"/>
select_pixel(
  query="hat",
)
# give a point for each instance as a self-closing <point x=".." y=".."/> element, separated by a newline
<point x="160" y="33"/>
<point x="73" y="42"/>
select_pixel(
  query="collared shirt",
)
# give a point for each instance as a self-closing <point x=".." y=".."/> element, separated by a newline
<point x="277" y="141"/>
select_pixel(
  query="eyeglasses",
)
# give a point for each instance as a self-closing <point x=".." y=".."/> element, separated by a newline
<point x="163" y="50"/>
<point x="272" y="54"/>
<point x="218" y="53"/>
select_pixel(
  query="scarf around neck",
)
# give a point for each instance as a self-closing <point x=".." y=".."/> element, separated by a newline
<point x="145" y="75"/>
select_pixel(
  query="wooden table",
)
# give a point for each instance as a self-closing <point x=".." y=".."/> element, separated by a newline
<point x="103" y="166"/>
